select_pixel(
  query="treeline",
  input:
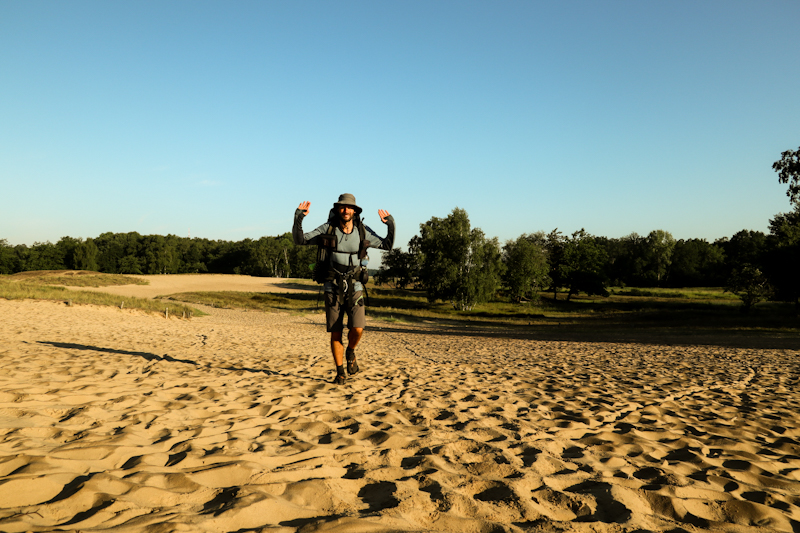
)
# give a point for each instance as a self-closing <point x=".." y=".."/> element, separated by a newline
<point x="132" y="253"/>
<point x="453" y="261"/>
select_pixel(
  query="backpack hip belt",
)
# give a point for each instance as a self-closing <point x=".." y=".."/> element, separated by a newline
<point x="345" y="282"/>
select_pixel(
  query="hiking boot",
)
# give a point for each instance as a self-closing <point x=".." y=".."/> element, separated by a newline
<point x="339" y="379"/>
<point x="352" y="366"/>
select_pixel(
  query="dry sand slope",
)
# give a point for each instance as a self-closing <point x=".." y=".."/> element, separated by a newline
<point x="113" y="420"/>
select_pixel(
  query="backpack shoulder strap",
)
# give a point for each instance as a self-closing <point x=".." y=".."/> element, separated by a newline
<point x="363" y="242"/>
<point x="362" y="231"/>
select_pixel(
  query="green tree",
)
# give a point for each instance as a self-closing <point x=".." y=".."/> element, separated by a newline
<point x="781" y="259"/>
<point x="130" y="264"/>
<point x="120" y="253"/>
<point x="750" y="285"/>
<point x="459" y="264"/>
<point x="78" y="254"/>
<point x="45" y="256"/>
<point x="9" y="263"/>
<point x="626" y="263"/>
<point x="192" y="254"/>
<point x="659" y="247"/>
<point x="280" y="265"/>
<point x="159" y="254"/>
<point x="483" y="271"/>
<point x="697" y="263"/>
<point x="526" y="266"/>
<point x="84" y="256"/>
<point x="398" y="267"/>
<point x="788" y="169"/>
<point x="300" y="260"/>
<point x="583" y="265"/>
<point x="639" y="261"/>
<point x="744" y="248"/>
<point x="269" y="257"/>
<point x="259" y="257"/>
<point x="230" y="257"/>
<point x="555" y="244"/>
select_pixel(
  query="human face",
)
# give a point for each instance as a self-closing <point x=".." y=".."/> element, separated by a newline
<point x="346" y="213"/>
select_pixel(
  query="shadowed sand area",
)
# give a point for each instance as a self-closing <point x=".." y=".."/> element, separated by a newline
<point x="115" y="420"/>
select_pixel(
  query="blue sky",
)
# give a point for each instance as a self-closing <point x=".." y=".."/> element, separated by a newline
<point x="219" y="118"/>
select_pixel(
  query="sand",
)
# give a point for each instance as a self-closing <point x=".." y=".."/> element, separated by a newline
<point x="116" y="420"/>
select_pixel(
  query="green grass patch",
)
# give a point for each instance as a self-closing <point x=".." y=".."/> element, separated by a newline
<point x="711" y="294"/>
<point x="685" y="316"/>
<point x="641" y="305"/>
<point x="264" y="301"/>
<point x="40" y="287"/>
<point x="76" y="278"/>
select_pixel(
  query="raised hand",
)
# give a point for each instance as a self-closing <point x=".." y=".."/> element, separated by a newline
<point x="304" y="207"/>
<point x="383" y="214"/>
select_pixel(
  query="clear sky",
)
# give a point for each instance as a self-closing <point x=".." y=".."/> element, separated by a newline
<point x="219" y="117"/>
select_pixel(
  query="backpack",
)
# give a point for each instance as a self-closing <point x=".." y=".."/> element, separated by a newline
<point x="326" y="246"/>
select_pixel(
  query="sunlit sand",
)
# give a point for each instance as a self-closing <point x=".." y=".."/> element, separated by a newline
<point x="116" y="420"/>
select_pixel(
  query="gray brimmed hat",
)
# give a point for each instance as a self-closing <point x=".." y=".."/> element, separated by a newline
<point x="348" y="200"/>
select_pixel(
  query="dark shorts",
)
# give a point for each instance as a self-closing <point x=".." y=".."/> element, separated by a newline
<point x="354" y="309"/>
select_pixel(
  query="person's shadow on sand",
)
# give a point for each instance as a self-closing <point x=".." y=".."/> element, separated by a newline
<point x="149" y="356"/>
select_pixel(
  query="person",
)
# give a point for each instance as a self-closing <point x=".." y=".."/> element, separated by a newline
<point x="342" y="273"/>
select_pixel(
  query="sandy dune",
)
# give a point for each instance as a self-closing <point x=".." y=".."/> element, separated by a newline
<point x="171" y="284"/>
<point x="113" y="420"/>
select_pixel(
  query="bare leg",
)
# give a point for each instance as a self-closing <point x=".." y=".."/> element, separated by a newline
<point x="337" y="349"/>
<point x="353" y="336"/>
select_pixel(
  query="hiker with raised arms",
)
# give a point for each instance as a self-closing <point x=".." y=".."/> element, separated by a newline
<point x="341" y="267"/>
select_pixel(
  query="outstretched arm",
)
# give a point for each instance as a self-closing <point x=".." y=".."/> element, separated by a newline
<point x="388" y="242"/>
<point x="297" y="227"/>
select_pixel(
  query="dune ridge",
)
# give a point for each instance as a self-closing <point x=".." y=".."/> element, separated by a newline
<point x="114" y="420"/>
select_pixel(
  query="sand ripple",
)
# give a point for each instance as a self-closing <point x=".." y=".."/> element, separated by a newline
<point x="112" y="420"/>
